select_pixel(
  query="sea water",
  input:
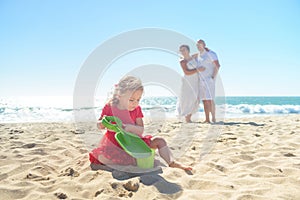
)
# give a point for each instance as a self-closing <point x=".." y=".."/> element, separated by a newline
<point x="60" y="109"/>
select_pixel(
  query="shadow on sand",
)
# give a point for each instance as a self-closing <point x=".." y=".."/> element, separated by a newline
<point x="242" y="123"/>
<point x="147" y="178"/>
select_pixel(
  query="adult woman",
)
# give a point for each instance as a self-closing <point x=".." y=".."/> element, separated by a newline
<point x="189" y="98"/>
<point x="208" y="59"/>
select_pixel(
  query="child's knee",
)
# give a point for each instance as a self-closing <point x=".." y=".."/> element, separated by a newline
<point x="161" y="142"/>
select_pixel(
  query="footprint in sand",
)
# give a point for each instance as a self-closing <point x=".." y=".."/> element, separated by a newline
<point x="289" y="155"/>
<point x="246" y="157"/>
<point x="123" y="190"/>
<point x="131" y="186"/>
<point x="60" y="195"/>
<point x="36" y="177"/>
<point x="28" y="146"/>
<point x="99" y="192"/>
<point x="69" y="172"/>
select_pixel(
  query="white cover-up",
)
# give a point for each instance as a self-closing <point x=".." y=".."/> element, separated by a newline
<point x="207" y="83"/>
<point x="188" y="102"/>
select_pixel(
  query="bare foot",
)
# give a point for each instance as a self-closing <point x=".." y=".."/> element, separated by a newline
<point x="213" y="120"/>
<point x="188" y="119"/>
<point x="180" y="166"/>
<point x="206" y="122"/>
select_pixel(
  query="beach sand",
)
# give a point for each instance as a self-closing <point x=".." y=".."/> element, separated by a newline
<point x="247" y="158"/>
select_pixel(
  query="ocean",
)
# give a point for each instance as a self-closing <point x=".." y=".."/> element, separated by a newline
<point x="60" y="109"/>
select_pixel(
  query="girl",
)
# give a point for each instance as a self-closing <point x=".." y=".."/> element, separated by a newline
<point x="125" y="105"/>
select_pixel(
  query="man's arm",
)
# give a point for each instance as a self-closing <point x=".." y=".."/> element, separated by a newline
<point x="216" y="68"/>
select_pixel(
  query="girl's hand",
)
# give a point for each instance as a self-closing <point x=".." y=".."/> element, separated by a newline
<point x="100" y="125"/>
<point x="137" y="130"/>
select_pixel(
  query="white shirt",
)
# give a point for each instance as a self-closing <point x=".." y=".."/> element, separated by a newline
<point x="206" y="59"/>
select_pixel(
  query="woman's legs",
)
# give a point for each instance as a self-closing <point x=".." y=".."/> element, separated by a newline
<point x="213" y="111"/>
<point x="188" y="118"/>
<point x="207" y="109"/>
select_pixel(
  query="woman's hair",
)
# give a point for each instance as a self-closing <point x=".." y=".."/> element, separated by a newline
<point x="185" y="46"/>
<point x="127" y="83"/>
<point x="203" y="42"/>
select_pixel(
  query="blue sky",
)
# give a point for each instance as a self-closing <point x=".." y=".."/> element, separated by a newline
<point x="43" y="44"/>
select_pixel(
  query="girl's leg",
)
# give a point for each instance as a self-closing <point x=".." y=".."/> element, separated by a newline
<point x="104" y="160"/>
<point x="165" y="153"/>
<point x="163" y="149"/>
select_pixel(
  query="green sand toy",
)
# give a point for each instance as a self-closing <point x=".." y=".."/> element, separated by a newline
<point x="131" y="143"/>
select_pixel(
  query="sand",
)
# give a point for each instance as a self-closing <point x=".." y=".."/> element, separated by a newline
<point x="248" y="158"/>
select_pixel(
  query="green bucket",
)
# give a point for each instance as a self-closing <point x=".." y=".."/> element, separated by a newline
<point x="148" y="162"/>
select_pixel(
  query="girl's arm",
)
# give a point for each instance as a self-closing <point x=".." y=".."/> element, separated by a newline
<point x="105" y="111"/>
<point x="137" y="129"/>
<point x="100" y="125"/>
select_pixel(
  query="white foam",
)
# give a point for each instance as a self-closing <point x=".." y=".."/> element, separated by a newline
<point x="60" y="109"/>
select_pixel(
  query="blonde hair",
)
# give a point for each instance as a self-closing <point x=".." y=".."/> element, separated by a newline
<point x="127" y="83"/>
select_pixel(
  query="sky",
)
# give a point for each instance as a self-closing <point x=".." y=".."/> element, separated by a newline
<point x="44" y="44"/>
